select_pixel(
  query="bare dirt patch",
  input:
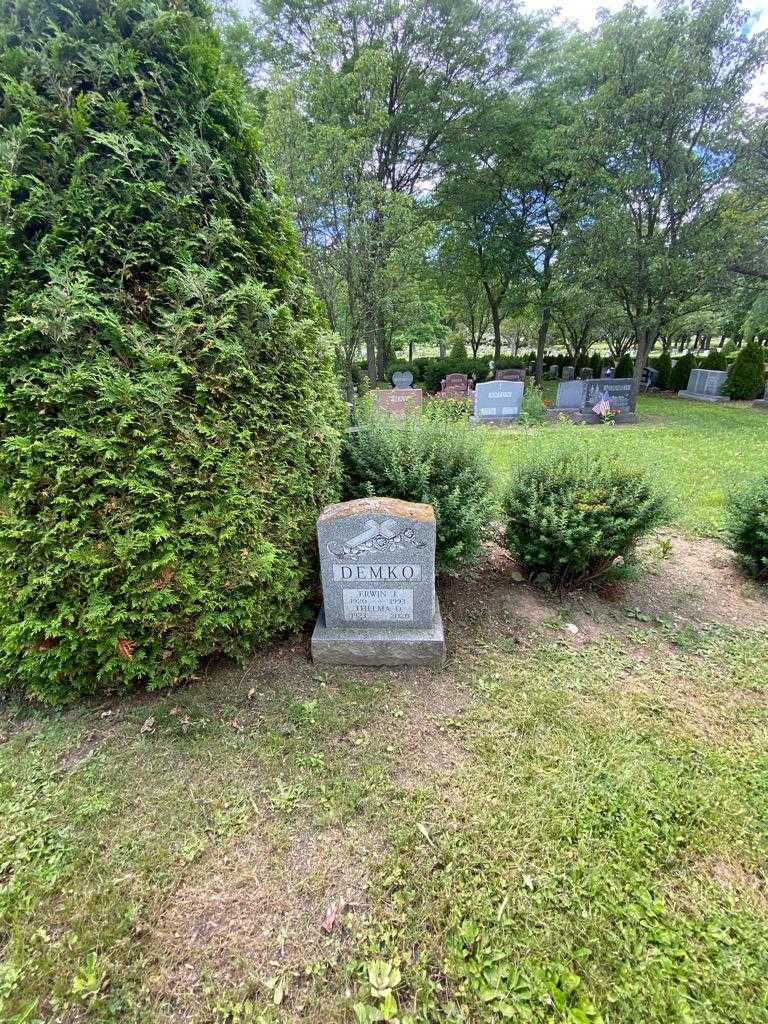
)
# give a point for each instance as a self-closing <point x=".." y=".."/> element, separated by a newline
<point x="730" y="875"/>
<point x="262" y="910"/>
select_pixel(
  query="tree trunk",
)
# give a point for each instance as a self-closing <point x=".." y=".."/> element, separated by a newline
<point x="496" y="320"/>
<point x="646" y="338"/>
<point x="541" y="344"/>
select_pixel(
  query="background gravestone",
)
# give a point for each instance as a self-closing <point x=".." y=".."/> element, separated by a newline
<point x="402" y="379"/>
<point x="515" y="373"/>
<point x="554" y="371"/>
<point x="586" y="373"/>
<point x="607" y="371"/>
<point x="398" y="401"/>
<point x="570" y="394"/>
<point x="620" y="392"/>
<point x="569" y="372"/>
<point x="377" y="566"/>
<point x="498" y="401"/>
<point x="762" y="403"/>
<point x="706" y="386"/>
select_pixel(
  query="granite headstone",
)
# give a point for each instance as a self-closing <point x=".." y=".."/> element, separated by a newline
<point x="377" y="565"/>
<point x="586" y="373"/>
<point x="706" y="386"/>
<point x="402" y="379"/>
<point x="569" y="372"/>
<point x="762" y="403"/>
<point x="498" y="401"/>
<point x="570" y="394"/>
<point x="619" y="391"/>
<point x="398" y="401"/>
<point x="514" y="373"/>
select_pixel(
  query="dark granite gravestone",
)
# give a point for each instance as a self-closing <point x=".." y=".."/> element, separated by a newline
<point x="398" y="401"/>
<point x="618" y="391"/>
<point x="531" y="367"/>
<point x="570" y="394"/>
<point x="377" y="566"/>
<point x="402" y="379"/>
<point x="553" y="372"/>
<point x="498" y="401"/>
<point x="456" y="380"/>
<point x="569" y="372"/>
<point x="586" y="373"/>
<point x="762" y="403"/>
<point x="706" y="386"/>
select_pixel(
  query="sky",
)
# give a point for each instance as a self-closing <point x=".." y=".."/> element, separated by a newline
<point x="584" y="13"/>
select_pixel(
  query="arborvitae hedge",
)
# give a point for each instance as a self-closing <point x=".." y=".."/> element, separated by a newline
<point x="625" y="367"/>
<point x="747" y="376"/>
<point x="681" y="372"/>
<point x="169" y="422"/>
<point x="664" y="368"/>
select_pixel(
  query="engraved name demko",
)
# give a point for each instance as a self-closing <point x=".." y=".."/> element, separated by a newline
<point x="377" y="572"/>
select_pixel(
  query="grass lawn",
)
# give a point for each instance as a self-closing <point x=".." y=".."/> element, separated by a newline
<point x="699" y="450"/>
<point x="567" y="824"/>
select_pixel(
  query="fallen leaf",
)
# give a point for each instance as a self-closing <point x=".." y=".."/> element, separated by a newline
<point x="148" y="726"/>
<point x="332" y="914"/>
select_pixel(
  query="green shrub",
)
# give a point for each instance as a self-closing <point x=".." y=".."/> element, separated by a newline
<point x="442" y="464"/>
<point x="534" y="410"/>
<point x="570" y="514"/>
<point x="170" y="414"/>
<point x="664" y="368"/>
<point x="625" y="367"/>
<point x="437" y="369"/>
<point x="596" y="364"/>
<point x="681" y="371"/>
<point x="747" y="376"/>
<point x="447" y="410"/>
<point x="458" y="349"/>
<point x="715" y="360"/>
<point x="747" y="526"/>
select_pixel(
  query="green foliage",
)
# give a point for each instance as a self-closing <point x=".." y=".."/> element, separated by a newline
<point x="435" y="370"/>
<point x="625" y="366"/>
<point x="170" y="414"/>
<point x="596" y="364"/>
<point x="570" y="514"/>
<point x="534" y="410"/>
<point x="447" y="410"/>
<point x="715" y="360"/>
<point x="681" y="371"/>
<point x="664" y="368"/>
<point x="747" y="526"/>
<point x="747" y="375"/>
<point x="458" y="350"/>
<point x="444" y="465"/>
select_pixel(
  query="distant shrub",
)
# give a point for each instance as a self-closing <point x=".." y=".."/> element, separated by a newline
<point x="437" y="369"/>
<point x="681" y="371"/>
<point x="747" y="376"/>
<point x="596" y="364"/>
<point x="570" y="514"/>
<point x="715" y="360"/>
<point x="664" y="371"/>
<point x="447" y="410"/>
<point x="625" y="366"/>
<point x="444" y="465"/>
<point x="458" y="349"/>
<point x="534" y="410"/>
<point x="747" y="526"/>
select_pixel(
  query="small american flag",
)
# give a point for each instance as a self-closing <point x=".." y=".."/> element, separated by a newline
<point x="602" y="408"/>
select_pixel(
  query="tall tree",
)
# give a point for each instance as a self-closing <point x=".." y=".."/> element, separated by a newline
<point x="661" y="98"/>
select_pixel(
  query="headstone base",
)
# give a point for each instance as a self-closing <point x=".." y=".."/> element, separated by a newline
<point x="761" y="403"/>
<point x="379" y="645"/>
<point x="693" y="396"/>
<point x="577" y="416"/>
<point x="495" y="421"/>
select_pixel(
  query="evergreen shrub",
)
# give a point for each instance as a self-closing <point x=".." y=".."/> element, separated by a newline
<point x="746" y="378"/>
<point x="570" y="514"/>
<point x="170" y="417"/>
<point x="442" y="464"/>
<point x="664" y="374"/>
<point x="625" y="366"/>
<point x="747" y="526"/>
<point x="715" y="360"/>
<point x="681" y="372"/>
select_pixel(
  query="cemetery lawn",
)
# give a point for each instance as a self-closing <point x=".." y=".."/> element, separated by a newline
<point x="567" y="824"/>
<point x="696" y="449"/>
